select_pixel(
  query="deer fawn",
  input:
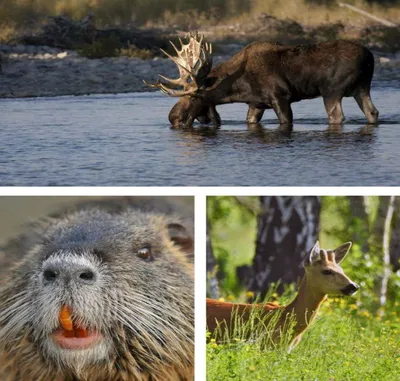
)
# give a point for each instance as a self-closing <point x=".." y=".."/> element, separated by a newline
<point x="323" y="276"/>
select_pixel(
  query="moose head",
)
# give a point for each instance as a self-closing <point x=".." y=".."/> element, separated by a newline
<point x="194" y="62"/>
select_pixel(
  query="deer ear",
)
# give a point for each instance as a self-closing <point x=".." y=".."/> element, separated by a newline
<point x="341" y="251"/>
<point x="181" y="237"/>
<point x="313" y="255"/>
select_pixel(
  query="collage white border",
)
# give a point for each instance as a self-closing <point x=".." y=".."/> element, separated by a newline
<point x="200" y="194"/>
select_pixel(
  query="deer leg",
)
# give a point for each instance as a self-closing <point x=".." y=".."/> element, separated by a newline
<point x="283" y="111"/>
<point x="364" y="101"/>
<point x="294" y="343"/>
<point x="254" y="114"/>
<point x="333" y="107"/>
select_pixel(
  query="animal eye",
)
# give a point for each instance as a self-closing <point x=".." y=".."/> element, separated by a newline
<point x="145" y="253"/>
<point x="327" y="272"/>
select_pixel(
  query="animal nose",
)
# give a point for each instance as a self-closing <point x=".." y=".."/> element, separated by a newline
<point x="350" y="289"/>
<point x="69" y="272"/>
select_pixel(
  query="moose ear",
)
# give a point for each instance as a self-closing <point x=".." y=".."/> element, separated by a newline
<point x="313" y="255"/>
<point x="341" y="251"/>
<point x="181" y="237"/>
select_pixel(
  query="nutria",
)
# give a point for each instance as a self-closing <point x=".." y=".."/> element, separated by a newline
<point x="123" y="280"/>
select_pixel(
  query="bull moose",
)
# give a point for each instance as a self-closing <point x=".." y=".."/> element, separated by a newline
<point x="268" y="75"/>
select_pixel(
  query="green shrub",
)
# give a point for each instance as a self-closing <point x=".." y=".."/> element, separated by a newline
<point x="101" y="48"/>
<point x="133" y="52"/>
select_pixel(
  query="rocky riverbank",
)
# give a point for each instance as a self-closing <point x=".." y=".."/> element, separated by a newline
<point x="34" y="71"/>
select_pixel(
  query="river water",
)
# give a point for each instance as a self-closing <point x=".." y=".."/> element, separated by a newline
<point x="126" y="140"/>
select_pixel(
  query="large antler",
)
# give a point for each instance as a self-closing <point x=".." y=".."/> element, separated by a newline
<point x="194" y="62"/>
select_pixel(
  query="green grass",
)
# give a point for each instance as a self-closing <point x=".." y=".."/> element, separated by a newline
<point x="344" y="343"/>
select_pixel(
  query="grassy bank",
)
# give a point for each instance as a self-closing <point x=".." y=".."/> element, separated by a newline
<point x="25" y="13"/>
<point x="313" y="13"/>
<point x="141" y="11"/>
<point x="346" y="342"/>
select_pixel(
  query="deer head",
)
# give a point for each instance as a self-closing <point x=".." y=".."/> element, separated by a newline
<point x="194" y="62"/>
<point x="325" y="274"/>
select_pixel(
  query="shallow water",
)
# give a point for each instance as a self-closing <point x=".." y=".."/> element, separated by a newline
<point x="125" y="139"/>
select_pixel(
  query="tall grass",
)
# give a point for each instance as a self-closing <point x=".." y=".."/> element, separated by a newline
<point x="344" y="343"/>
<point x="258" y="326"/>
<point x="20" y="12"/>
<point x="314" y="13"/>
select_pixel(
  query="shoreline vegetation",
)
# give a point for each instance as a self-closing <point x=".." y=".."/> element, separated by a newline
<point x="69" y="47"/>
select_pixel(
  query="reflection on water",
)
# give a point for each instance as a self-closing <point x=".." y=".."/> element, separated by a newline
<point x="122" y="140"/>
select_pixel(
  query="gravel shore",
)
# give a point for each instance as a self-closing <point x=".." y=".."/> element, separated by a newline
<point x="36" y="71"/>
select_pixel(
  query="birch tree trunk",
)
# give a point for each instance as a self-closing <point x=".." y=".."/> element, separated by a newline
<point x="386" y="252"/>
<point x="286" y="229"/>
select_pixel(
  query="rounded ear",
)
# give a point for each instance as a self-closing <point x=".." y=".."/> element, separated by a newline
<point x="181" y="237"/>
<point x="313" y="255"/>
<point x="341" y="251"/>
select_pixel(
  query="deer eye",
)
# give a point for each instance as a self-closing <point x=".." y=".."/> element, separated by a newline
<point x="145" y="253"/>
<point x="327" y="272"/>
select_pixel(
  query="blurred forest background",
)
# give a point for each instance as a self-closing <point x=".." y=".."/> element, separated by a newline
<point x="257" y="242"/>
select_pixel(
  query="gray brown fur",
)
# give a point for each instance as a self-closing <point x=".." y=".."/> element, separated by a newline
<point x="144" y="309"/>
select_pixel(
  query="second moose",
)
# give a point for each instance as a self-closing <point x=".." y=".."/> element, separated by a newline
<point x="267" y="75"/>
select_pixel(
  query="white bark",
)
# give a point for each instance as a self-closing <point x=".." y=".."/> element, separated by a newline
<point x="386" y="252"/>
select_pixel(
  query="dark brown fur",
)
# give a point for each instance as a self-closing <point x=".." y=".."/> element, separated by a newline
<point x="267" y="75"/>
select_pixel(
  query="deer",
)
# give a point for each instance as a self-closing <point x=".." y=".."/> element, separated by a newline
<point x="267" y="75"/>
<point x="323" y="276"/>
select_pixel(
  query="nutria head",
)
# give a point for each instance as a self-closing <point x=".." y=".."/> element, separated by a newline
<point x="98" y="297"/>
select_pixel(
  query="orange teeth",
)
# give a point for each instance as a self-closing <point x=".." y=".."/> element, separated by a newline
<point x="81" y="332"/>
<point x="70" y="330"/>
<point x="65" y="319"/>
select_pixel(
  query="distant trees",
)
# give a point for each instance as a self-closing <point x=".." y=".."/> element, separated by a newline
<point x="287" y="228"/>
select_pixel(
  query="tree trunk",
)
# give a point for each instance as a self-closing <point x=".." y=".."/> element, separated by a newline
<point x="378" y="228"/>
<point x="395" y="239"/>
<point x="212" y="279"/>
<point x="386" y="253"/>
<point x="286" y="230"/>
<point x="358" y="211"/>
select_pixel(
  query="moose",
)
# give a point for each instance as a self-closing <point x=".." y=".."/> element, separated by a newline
<point x="268" y="75"/>
<point x="323" y="276"/>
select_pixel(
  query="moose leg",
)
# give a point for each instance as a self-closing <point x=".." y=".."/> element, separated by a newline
<point x="254" y="114"/>
<point x="214" y="116"/>
<point x="333" y="107"/>
<point x="283" y="111"/>
<point x="364" y="101"/>
<point x="211" y="116"/>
